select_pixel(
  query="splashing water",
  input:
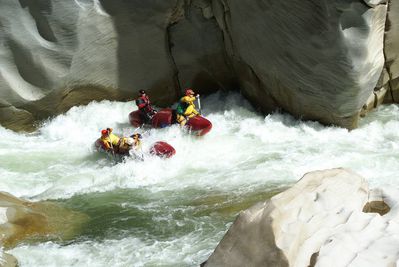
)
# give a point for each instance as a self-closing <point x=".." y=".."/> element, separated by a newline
<point x="174" y="212"/>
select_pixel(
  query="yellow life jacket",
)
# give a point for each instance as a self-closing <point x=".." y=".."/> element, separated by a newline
<point x="190" y="110"/>
<point x="110" y="139"/>
<point x="114" y="139"/>
<point x="188" y="99"/>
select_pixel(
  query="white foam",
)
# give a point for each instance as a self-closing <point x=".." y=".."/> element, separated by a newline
<point x="183" y="251"/>
<point x="242" y="149"/>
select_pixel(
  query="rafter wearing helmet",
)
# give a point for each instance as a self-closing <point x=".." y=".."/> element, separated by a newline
<point x="109" y="140"/>
<point x="144" y="105"/>
<point x="186" y="107"/>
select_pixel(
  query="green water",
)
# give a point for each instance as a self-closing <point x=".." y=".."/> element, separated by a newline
<point x="161" y="216"/>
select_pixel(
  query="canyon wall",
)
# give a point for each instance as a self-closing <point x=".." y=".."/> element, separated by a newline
<point x="318" y="60"/>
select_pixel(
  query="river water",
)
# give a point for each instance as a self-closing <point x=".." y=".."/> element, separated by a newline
<point x="174" y="212"/>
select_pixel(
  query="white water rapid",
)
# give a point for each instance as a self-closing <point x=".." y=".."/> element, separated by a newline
<point x="174" y="212"/>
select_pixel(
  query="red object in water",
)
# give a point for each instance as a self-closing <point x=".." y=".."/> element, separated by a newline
<point x="165" y="117"/>
<point x="162" y="149"/>
<point x="199" y="125"/>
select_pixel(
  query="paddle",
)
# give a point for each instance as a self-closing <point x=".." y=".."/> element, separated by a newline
<point x="199" y="103"/>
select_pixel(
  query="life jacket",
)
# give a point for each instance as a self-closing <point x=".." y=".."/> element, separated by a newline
<point x="111" y="139"/>
<point x="144" y="104"/>
<point x="185" y="105"/>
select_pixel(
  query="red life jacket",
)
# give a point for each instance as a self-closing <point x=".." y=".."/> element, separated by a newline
<point x="143" y="103"/>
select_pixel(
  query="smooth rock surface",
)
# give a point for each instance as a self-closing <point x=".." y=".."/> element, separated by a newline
<point x="319" y="60"/>
<point x="316" y="60"/>
<point x="317" y="222"/>
<point x="50" y="48"/>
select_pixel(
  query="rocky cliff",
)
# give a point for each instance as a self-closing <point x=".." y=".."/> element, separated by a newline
<point x="320" y="60"/>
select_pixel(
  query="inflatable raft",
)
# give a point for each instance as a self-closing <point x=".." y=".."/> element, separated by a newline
<point x="197" y="125"/>
<point x="160" y="149"/>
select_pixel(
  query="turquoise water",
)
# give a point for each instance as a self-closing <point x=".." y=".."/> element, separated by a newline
<point x="174" y="212"/>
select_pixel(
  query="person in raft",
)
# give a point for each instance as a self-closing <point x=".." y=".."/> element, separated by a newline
<point x="144" y="105"/>
<point x="186" y="107"/>
<point x="113" y="143"/>
<point x="136" y="146"/>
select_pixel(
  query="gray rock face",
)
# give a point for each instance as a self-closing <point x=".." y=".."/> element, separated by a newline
<point x="315" y="59"/>
<point x="391" y="52"/>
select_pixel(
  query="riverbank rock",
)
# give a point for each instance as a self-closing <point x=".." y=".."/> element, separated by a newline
<point x="8" y="260"/>
<point x="24" y="221"/>
<point x="318" y="222"/>
<point x="316" y="60"/>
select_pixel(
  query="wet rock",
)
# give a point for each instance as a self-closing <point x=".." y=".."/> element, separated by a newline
<point x="16" y="119"/>
<point x="24" y="221"/>
<point x="374" y="100"/>
<point x="8" y="260"/>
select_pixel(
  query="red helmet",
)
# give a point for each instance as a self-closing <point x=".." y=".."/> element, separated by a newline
<point x="104" y="132"/>
<point x="189" y="91"/>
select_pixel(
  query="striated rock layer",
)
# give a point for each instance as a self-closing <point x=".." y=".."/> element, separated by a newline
<point x="318" y="60"/>
<point x="328" y="218"/>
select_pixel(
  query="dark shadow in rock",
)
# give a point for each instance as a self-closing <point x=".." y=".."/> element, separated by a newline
<point x="143" y="60"/>
<point x="199" y="53"/>
<point x="30" y="71"/>
<point x="38" y="10"/>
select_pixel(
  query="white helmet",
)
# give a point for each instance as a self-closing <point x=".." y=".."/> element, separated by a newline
<point x="129" y="141"/>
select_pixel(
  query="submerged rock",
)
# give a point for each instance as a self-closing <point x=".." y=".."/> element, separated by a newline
<point x="24" y="221"/>
<point x="316" y="222"/>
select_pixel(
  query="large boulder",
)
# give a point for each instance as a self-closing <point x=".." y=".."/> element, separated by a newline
<point x="317" y="222"/>
<point x="318" y="60"/>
